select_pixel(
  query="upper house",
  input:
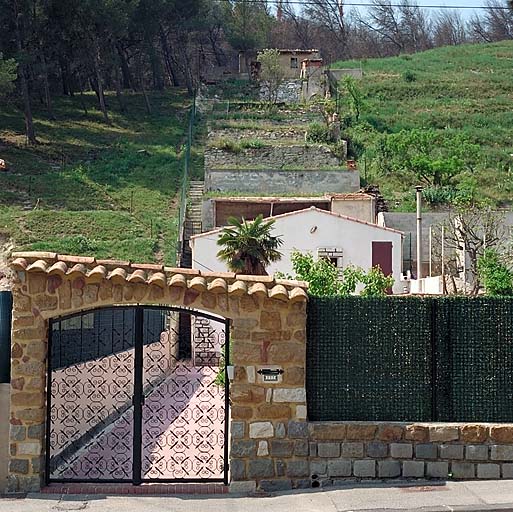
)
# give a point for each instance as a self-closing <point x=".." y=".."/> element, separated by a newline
<point x="341" y="239"/>
<point x="293" y="62"/>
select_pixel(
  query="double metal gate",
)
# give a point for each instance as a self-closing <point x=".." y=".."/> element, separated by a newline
<point x="137" y="394"/>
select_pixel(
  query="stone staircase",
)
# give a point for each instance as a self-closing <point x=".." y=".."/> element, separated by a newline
<point x="193" y="224"/>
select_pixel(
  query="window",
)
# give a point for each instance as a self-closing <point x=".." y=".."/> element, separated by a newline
<point x="293" y="62"/>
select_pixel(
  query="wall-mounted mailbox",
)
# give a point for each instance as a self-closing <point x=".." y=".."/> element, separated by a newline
<point x="270" y="375"/>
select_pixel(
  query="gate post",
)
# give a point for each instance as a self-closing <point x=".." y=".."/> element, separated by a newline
<point x="269" y="432"/>
<point x="28" y="384"/>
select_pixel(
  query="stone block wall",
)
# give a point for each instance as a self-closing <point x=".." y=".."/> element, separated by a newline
<point x="285" y="133"/>
<point x="299" y="156"/>
<point x="319" y="454"/>
<point x="271" y="182"/>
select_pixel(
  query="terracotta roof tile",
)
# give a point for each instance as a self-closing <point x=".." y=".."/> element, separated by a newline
<point x="120" y="272"/>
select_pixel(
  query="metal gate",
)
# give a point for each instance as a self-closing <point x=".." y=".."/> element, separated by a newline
<point x="137" y="394"/>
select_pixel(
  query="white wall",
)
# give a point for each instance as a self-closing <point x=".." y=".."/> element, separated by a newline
<point x="306" y="232"/>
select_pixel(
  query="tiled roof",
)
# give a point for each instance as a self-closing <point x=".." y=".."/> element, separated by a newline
<point x="120" y="272"/>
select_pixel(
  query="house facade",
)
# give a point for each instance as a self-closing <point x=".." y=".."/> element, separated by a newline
<point x="344" y="240"/>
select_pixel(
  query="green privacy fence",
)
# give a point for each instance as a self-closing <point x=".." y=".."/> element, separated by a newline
<point x="410" y="359"/>
<point x="184" y="187"/>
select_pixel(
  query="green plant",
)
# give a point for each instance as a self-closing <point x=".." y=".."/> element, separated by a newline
<point x="439" y="195"/>
<point x="409" y="76"/>
<point x="495" y="274"/>
<point x="228" y="145"/>
<point x="325" y="279"/>
<point x="248" y="246"/>
<point x="272" y="74"/>
<point x="355" y="96"/>
<point x="251" y="144"/>
<point x="317" y="133"/>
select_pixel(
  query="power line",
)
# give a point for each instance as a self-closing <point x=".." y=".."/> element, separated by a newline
<point x="411" y="5"/>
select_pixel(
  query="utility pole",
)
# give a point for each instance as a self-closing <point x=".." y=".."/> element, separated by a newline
<point x="419" y="231"/>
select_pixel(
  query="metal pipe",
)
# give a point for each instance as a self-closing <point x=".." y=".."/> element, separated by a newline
<point x="419" y="231"/>
<point x="430" y="251"/>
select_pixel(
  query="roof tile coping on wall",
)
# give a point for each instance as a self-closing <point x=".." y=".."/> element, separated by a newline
<point x="124" y="271"/>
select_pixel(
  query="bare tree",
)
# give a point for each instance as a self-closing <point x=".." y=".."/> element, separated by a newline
<point x="495" y="25"/>
<point x="449" y="29"/>
<point x="468" y="231"/>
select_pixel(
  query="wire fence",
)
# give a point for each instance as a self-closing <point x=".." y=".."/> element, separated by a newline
<point x="184" y="187"/>
<point x="410" y="359"/>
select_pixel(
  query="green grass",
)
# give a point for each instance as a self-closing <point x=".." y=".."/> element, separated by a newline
<point x="466" y="89"/>
<point x="93" y="189"/>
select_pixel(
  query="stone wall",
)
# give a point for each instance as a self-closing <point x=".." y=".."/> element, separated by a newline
<point x="298" y="156"/>
<point x="328" y="453"/>
<point x="284" y="133"/>
<point x="288" y="92"/>
<point x="268" y="327"/>
<point x="272" y="182"/>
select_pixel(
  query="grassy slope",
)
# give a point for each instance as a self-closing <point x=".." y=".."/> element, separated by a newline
<point x="467" y="88"/>
<point x="73" y="192"/>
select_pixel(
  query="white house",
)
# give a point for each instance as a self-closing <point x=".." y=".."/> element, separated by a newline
<point x="344" y="240"/>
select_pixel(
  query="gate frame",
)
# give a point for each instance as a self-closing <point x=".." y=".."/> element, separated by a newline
<point x="268" y="319"/>
<point x="138" y="391"/>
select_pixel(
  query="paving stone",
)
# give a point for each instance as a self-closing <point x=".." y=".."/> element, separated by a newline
<point x="242" y="487"/>
<point x="501" y="452"/>
<point x="476" y="452"/>
<point x="318" y="467"/>
<point x="280" y="430"/>
<point x="238" y="469"/>
<point x="426" y="451"/>
<point x="437" y="469"/>
<point x="275" y="485"/>
<point x="301" y="448"/>
<point x="261" y="429"/>
<point x="243" y="449"/>
<point x="488" y="471"/>
<point x="298" y="468"/>
<point x="507" y="471"/>
<point x="413" y="469"/>
<point x="401" y="450"/>
<point x="364" y="468"/>
<point x="262" y="468"/>
<point x="451" y="451"/>
<point x="281" y="448"/>
<point x="389" y="468"/>
<point x="331" y="450"/>
<point x="377" y="450"/>
<point x="237" y="429"/>
<point x="298" y="429"/>
<point x="339" y="467"/>
<point x="463" y="470"/>
<point x="352" y="449"/>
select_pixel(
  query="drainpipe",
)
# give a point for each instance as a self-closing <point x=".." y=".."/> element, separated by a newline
<point x="419" y="231"/>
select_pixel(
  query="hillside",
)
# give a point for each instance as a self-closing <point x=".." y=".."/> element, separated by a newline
<point x="458" y="90"/>
<point x="93" y="189"/>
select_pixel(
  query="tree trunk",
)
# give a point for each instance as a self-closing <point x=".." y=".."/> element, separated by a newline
<point x="99" y="84"/>
<point x="46" y="87"/>
<point x="156" y="67"/>
<point x="125" y="69"/>
<point x="167" y="58"/>
<point x="141" y="85"/>
<point x="119" y="94"/>
<point x="27" y="108"/>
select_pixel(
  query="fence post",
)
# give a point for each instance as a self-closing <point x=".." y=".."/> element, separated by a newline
<point x="434" y="360"/>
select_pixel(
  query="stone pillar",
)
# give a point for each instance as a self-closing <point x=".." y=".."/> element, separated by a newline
<point x="269" y="432"/>
<point x="28" y="371"/>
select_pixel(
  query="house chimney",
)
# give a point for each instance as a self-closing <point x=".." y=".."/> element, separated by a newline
<point x="419" y="231"/>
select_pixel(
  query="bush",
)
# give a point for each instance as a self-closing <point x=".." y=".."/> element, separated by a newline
<point x="318" y="133"/>
<point x="409" y="76"/>
<point x="496" y="276"/>
<point x="439" y="195"/>
<point x="251" y="144"/>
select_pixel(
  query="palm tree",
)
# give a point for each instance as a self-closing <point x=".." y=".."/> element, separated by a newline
<point x="248" y="246"/>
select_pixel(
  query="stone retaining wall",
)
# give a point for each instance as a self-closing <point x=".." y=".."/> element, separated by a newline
<point x="326" y="453"/>
<point x="306" y="182"/>
<point x="299" y="156"/>
<point x="285" y="134"/>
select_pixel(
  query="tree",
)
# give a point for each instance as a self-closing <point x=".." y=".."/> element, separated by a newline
<point x="248" y="247"/>
<point x="7" y="75"/>
<point x="434" y="157"/>
<point x="495" y="274"/>
<point x="469" y="229"/>
<point x="355" y="96"/>
<point x="325" y="279"/>
<point x="272" y="74"/>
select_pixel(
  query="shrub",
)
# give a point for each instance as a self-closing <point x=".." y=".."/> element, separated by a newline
<point x="317" y="133"/>
<point x="251" y="144"/>
<point x="439" y="195"/>
<point x="409" y="76"/>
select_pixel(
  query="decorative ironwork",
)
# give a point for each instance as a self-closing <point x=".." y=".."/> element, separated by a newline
<point x="115" y="415"/>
